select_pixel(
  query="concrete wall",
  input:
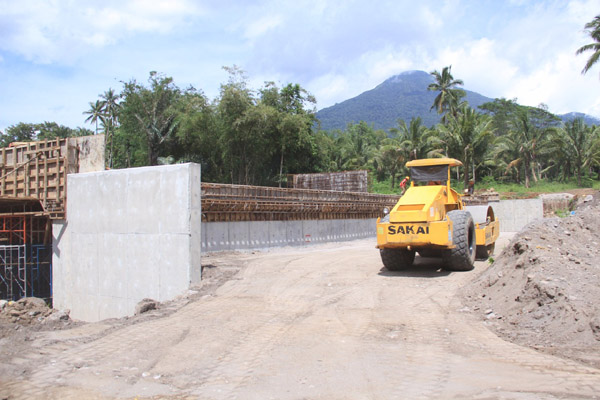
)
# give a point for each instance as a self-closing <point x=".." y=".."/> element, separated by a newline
<point x="90" y="153"/>
<point x="515" y="214"/>
<point x="130" y="234"/>
<point x="218" y="236"/>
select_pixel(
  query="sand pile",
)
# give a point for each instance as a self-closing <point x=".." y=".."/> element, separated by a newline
<point x="543" y="290"/>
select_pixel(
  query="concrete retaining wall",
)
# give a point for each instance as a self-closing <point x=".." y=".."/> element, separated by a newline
<point x="515" y="214"/>
<point x="131" y="234"/>
<point x="218" y="236"/>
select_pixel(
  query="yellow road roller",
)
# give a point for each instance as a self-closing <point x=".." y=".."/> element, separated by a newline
<point x="431" y="219"/>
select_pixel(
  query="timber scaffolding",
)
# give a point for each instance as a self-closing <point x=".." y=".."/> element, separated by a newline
<point x="39" y="169"/>
<point x="33" y="190"/>
<point x="36" y="169"/>
<point x="221" y="203"/>
<point x="345" y="181"/>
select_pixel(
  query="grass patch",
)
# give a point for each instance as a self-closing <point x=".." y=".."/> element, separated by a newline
<point x="506" y="190"/>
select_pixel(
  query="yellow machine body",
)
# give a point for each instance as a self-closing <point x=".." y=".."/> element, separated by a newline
<point x="418" y="221"/>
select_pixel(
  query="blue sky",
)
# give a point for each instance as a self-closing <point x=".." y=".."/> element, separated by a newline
<point x="56" y="56"/>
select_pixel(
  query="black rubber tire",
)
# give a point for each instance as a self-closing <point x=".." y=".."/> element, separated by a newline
<point x="485" y="252"/>
<point x="462" y="256"/>
<point x="397" y="259"/>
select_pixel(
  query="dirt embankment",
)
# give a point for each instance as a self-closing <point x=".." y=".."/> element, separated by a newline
<point x="543" y="290"/>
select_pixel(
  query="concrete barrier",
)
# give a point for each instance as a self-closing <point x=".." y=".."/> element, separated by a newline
<point x="244" y="235"/>
<point x="515" y="214"/>
<point x="131" y="234"/>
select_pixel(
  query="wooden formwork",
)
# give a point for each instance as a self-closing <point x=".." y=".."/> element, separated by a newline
<point x="259" y="203"/>
<point x="345" y="181"/>
<point x="39" y="169"/>
<point x="36" y="169"/>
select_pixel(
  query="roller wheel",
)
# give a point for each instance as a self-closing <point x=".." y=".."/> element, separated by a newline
<point x="462" y="256"/>
<point x="397" y="259"/>
<point x="431" y="253"/>
<point x="484" y="252"/>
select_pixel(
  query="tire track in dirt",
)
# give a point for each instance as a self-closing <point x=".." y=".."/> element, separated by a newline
<point x="309" y="323"/>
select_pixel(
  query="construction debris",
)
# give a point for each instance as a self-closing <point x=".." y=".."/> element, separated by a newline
<point x="30" y="311"/>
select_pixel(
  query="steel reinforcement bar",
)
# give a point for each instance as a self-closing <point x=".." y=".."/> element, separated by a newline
<point x="222" y="202"/>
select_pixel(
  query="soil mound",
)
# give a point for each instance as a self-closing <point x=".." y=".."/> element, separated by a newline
<point x="543" y="290"/>
<point x="32" y="312"/>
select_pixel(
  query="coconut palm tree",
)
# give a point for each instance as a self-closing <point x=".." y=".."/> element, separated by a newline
<point x="96" y="113"/>
<point x="593" y="29"/>
<point x="467" y="137"/>
<point x="577" y="147"/>
<point x="415" y="138"/>
<point x="390" y="159"/>
<point x="448" y="98"/>
<point x="110" y="108"/>
<point x="534" y="141"/>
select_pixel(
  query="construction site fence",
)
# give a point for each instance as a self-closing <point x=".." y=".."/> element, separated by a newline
<point x="221" y="202"/>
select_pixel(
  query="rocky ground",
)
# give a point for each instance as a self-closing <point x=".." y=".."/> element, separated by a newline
<point x="543" y="290"/>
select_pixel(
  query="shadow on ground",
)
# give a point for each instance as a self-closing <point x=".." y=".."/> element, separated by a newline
<point x="423" y="267"/>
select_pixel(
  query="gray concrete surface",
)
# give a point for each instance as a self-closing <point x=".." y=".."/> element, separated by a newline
<point x="515" y="214"/>
<point x="219" y="236"/>
<point x="130" y="234"/>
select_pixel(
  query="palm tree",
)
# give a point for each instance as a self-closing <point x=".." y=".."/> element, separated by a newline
<point x="390" y="159"/>
<point x="415" y="138"/>
<point x="577" y="146"/>
<point x="534" y="142"/>
<point x="449" y="97"/>
<point x="467" y="137"/>
<point x="593" y="29"/>
<point x="96" y="113"/>
<point x="110" y="108"/>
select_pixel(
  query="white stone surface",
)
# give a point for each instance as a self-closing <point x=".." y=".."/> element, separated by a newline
<point x="130" y="234"/>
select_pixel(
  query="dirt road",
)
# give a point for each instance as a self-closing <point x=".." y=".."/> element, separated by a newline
<point x="324" y="322"/>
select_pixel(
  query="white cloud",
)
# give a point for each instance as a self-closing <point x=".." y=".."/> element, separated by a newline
<point x="480" y="65"/>
<point x="560" y="85"/>
<point x="62" y="31"/>
<point x="336" y="50"/>
<point x="329" y="88"/>
<point x="262" y="26"/>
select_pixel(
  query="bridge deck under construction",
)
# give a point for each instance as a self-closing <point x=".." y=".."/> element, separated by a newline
<point x="222" y="202"/>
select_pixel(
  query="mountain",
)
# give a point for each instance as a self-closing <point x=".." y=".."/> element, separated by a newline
<point x="588" y="119"/>
<point x="402" y="96"/>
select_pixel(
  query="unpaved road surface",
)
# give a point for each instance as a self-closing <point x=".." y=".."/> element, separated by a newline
<point x="323" y="322"/>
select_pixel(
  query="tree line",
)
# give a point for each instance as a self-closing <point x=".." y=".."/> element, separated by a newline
<point x="257" y="136"/>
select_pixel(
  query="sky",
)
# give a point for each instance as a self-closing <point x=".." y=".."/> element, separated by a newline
<point x="57" y="56"/>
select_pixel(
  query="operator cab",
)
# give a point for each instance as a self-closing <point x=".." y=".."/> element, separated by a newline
<point x="432" y="172"/>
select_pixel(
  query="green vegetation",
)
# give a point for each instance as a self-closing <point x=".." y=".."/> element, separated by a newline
<point x="23" y="132"/>
<point x="256" y="137"/>
<point x="593" y="30"/>
<point x="403" y="96"/>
